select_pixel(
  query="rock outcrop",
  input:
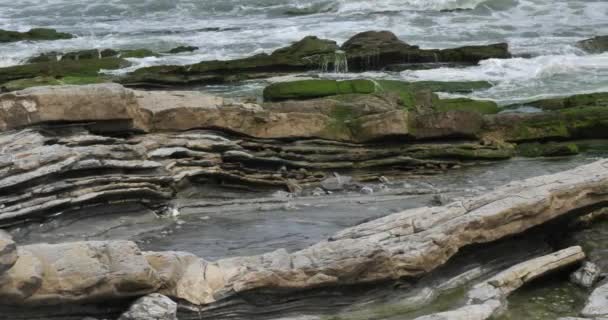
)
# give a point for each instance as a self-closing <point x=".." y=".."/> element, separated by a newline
<point x="73" y="272"/>
<point x="407" y="244"/>
<point x="69" y="147"/>
<point x="366" y="51"/>
<point x="36" y="34"/>
<point x="487" y="298"/>
<point x="597" y="44"/>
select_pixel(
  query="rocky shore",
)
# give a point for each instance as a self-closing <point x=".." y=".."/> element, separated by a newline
<point x="77" y="143"/>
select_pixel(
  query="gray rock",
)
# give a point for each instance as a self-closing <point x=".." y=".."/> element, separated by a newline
<point x="336" y="183"/>
<point x="8" y="252"/>
<point x="598" y="44"/>
<point x="587" y="275"/>
<point x="367" y="190"/>
<point x="151" y="307"/>
<point x="597" y="304"/>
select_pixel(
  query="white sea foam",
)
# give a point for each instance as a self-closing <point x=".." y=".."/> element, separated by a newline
<point x="225" y="29"/>
<point x="520" y="79"/>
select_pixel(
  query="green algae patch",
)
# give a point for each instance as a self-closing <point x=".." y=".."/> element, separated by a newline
<point x="64" y="68"/>
<point x="464" y="104"/>
<point x="36" y="34"/>
<point x="308" y="89"/>
<point x="137" y="53"/>
<point x="21" y="84"/>
<point x="597" y="99"/>
<point x="565" y="124"/>
<point x="552" y="149"/>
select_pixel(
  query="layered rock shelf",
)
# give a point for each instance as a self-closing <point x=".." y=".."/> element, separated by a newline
<point x="69" y="147"/>
<point x="407" y="244"/>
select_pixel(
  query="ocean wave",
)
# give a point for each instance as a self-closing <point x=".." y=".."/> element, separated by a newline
<point x="520" y="79"/>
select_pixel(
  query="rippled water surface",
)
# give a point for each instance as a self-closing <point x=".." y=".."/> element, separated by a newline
<point x="543" y="29"/>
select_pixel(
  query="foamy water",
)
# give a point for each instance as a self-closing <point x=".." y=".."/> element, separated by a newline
<point x="225" y="29"/>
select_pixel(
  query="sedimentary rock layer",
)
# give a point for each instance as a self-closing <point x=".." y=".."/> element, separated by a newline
<point x="406" y="244"/>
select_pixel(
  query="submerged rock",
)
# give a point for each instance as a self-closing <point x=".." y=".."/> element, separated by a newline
<point x="597" y="44"/>
<point x="151" y="307"/>
<point x="35" y="34"/>
<point x="587" y="275"/>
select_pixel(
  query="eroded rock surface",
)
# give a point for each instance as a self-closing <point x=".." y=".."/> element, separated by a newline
<point x="406" y="244"/>
<point x="151" y="307"/>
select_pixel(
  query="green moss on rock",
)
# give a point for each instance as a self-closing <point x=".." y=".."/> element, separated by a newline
<point x="572" y="123"/>
<point x="464" y="104"/>
<point x="551" y="149"/>
<point x="598" y="99"/>
<point x="307" y="89"/>
<point x="21" y="84"/>
<point x="35" y="34"/>
<point x="63" y="68"/>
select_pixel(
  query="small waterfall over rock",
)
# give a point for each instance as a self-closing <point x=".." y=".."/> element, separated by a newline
<point x="338" y="60"/>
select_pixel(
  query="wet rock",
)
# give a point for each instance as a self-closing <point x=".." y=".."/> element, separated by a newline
<point x="373" y="50"/>
<point x="8" y="252"/>
<point x="182" y="49"/>
<point x="306" y="54"/>
<point x="36" y="34"/>
<point x="570" y="123"/>
<point x="64" y="71"/>
<point x="306" y="89"/>
<point x="151" y="307"/>
<point x="597" y="304"/>
<point x="487" y="298"/>
<point x="317" y="192"/>
<point x="597" y="99"/>
<point x="587" y="275"/>
<point x="337" y="183"/>
<point x="311" y="53"/>
<point x="367" y="190"/>
<point x="597" y="44"/>
<point x="552" y="149"/>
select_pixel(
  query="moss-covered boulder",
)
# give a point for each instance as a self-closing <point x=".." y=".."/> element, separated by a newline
<point x="597" y="44"/>
<point x="366" y="51"/>
<point x="551" y="149"/>
<point x="307" y="89"/>
<point x="307" y="54"/>
<point x="373" y="50"/>
<point x="598" y="99"/>
<point x="36" y="34"/>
